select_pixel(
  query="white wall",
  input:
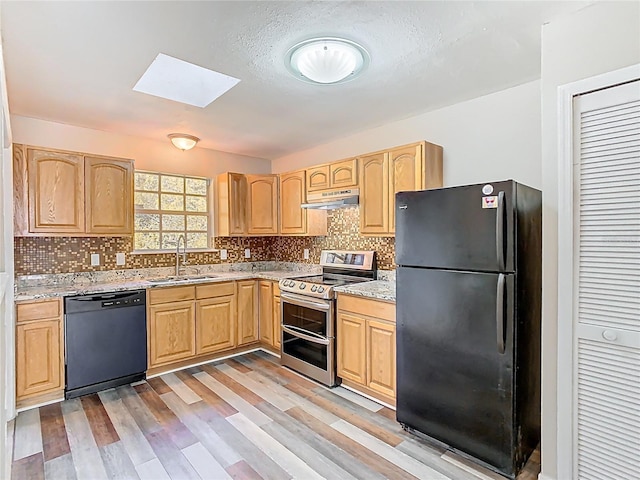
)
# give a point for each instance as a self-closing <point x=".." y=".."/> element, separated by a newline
<point x="598" y="39"/>
<point x="495" y="137"/>
<point x="158" y="155"/>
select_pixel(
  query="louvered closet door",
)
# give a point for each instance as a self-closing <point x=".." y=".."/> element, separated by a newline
<point x="607" y="262"/>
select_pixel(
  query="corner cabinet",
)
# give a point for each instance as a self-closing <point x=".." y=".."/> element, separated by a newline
<point x="383" y="174"/>
<point x="262" y="204"/>
<point x="39" y="352"/>
<point x="295" y="220"/>
<point x="71" y="194"/>
<point x="366" y="346"/>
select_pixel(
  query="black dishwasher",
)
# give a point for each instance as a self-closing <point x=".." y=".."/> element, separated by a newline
<point x="105" y="341"/>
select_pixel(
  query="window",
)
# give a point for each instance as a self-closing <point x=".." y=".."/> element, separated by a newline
<point x="167" y="206"/>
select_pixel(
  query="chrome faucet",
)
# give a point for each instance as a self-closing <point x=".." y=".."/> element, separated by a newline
<point x="184" y="253"/>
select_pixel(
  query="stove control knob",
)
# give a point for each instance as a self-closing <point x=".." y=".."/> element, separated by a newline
<point x="320" y="289"/>
<point x="303" y="286"/>
<point x="314" y="288"/>
<point x="285" y="283"/>
<point x="288" y="283"/>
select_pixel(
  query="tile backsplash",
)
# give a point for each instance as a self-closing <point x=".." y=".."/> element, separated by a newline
<point x="42" y="255"/>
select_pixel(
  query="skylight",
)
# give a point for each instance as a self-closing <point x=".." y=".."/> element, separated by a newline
<point x="180" y="81"/>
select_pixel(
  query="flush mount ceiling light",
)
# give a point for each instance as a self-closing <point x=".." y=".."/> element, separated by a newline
<point x="327" y="60"/>
<point x="183" y="141"/>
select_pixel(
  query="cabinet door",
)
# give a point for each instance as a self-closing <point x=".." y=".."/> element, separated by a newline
<point x="277" y="329"/>
<point x="374" y="194"/>
<point x="343" y="174"/>
<point x="263" y="204"/>
<point x="38" y="358"/>
<point x="56" y="192"/>
<point x="351" y="339"/>
<point x="405" y="174"/>
<point x="171" y="332"/>
<point x="109" y="195"/>
<point x="293" y="218"/>
<point x="247" y="312"/>
<point x="317" y="178"/>
<point x="265" y="288"/>
<point x="237" y="204"/>
<point x="215" y="324"/>
<point x="381" y="357"/>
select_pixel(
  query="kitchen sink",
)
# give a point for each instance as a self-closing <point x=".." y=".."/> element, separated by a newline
<point x="181" y="279"/>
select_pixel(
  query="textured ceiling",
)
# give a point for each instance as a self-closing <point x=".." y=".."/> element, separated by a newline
<point x="77" y="62"/>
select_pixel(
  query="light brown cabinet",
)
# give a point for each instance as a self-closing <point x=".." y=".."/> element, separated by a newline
<point x="262" y="204"/>
<point x="171" y="332"/>
<point x="39" y="352"/>
<point x="295" y="220"/>
<point x="56" y="192"/>
<point x="341" y="174"/>
<point x="187" y="321"/>
<point x="247" y="297"/>
<point x="231" y="204"/>
<point x="265" y="305"/>
<point x="366" y="346"/>
<point x="383" y="174"/>
<point x="109" y="195"/>
<point x="71" y="194"/>
<point x="215" y="324"/>
<point x="269" y="313"/>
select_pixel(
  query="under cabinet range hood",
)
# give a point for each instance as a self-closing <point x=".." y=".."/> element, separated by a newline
<point x="332" y="199"/>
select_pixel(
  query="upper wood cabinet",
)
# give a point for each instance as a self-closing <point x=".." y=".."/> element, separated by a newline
<point x="109" y="195"/>
<point x="262" y="204"/>
<point x="56" y="192"/>
<point x="231" y="204"/>
<point x="374" y="196"/>
<point x="342" y="174"/>
<point x="383" y="174"/>
<point x="295" y="220"/>
<point x="71" y="194"/>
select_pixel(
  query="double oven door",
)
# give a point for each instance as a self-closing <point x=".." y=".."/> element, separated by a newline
<point x="308" y="336"/>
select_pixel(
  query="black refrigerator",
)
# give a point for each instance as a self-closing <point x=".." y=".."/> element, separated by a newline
<point x="468" y="308"/>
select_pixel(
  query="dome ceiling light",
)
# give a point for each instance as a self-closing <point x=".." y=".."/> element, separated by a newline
<point x="327" y="60"/>
<point x="183" y="141"/>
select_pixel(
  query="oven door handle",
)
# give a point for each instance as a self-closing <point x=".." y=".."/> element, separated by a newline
<point x="305" y="335"/>
<point x="304" y="302"/>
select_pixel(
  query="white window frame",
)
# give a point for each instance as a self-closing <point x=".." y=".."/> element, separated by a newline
<point x="209" y="215"/>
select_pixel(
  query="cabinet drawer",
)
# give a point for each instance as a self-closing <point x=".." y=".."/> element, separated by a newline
<point x="370" y="308"/>
<point x="172" y="294"/>
<point x="38" y="310"/>
<point x="215" y="290"/>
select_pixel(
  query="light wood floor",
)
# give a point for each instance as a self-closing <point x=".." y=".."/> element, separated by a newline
<point x="245" y="418"/>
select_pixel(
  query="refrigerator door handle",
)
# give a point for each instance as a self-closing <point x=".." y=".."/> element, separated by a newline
<point x="500" y="311"/>
<point x="500" y="231"/>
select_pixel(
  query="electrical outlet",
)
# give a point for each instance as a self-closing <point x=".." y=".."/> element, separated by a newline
<point x="95" y="259"/>
<point x="223" y="254"/>
<point x="247" y="253"/>
<point x="306" y="254"/>
<point x="120" y="260"/>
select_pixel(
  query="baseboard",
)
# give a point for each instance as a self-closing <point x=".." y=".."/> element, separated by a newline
<point x="542" y="476"/>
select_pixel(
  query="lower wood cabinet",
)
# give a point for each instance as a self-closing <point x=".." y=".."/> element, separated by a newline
<point x="171" y="332"/>
<point x="247" y="295"/>
<point x="269" y="313"/>
<point x="39" y="351"/>
<point x="215" y="324"/>
<point x="366" y="346"/>
<point x="188" y="321"/>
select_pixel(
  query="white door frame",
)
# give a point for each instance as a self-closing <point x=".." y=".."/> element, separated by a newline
<point x="566" y="286"/>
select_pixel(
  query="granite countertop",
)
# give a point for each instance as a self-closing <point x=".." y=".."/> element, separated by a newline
<point x="49" y="291"/>
<point x="378" y="290"/>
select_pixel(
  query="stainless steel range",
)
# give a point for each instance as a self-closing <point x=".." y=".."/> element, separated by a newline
<point x="308" y="312"/>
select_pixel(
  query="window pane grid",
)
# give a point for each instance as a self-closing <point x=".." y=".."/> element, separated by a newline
<point x="168" y="206"/>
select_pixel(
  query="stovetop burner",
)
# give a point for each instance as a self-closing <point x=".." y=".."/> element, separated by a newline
<point x="339" y="268"/>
